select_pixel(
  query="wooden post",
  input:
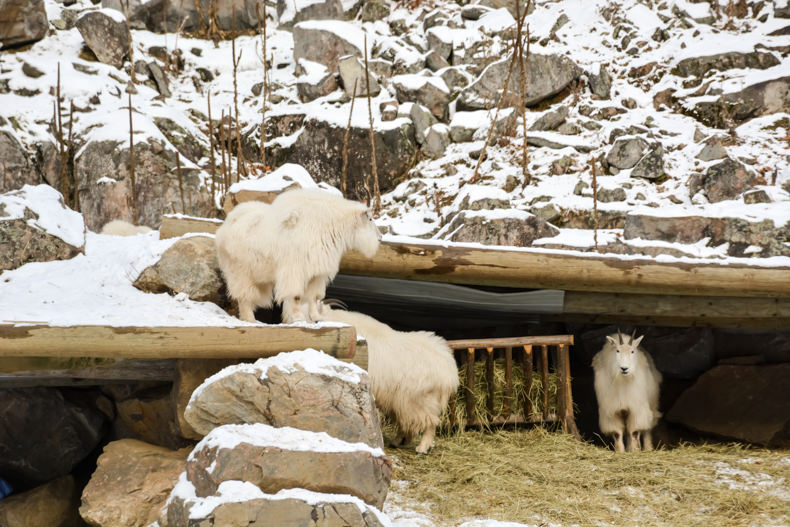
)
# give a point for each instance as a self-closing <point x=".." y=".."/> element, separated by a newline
<point x="562" y="401"/>
<point x="544" y="375"/>
<point x="508" y="382"/>
<point x="470" y="386"/>
<point x="490" y="383"/>
<point x="569" y="421"/>
<point x="526" y="366"/>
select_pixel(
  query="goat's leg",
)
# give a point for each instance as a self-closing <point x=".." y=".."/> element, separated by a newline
<point x="314" y="293"/>
<point x="292" y="309"/>
<point x="426" y="443"/>
<point x="618" y="441"/>
<point x="246" y="310"/>
<point x="634" y="443"/>
<point x="647" y="440"/>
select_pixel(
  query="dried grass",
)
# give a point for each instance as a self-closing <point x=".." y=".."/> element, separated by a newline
<point x="535" y="476"/>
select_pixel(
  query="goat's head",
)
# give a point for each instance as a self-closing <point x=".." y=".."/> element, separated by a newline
<point x="626" y="350"/>
<point x="366" y="235"/>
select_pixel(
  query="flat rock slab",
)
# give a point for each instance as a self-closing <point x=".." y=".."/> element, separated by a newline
<point x="53" y="504"/>
<point x="745" y="403"/>
<point x="244" y="505"/>
<point x="274" y="459"/>
<point x="131" y="484"/>
<point x="306" y="389"/>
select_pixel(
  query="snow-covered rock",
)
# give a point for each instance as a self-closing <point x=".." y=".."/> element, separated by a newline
<point x="22" y="21"/>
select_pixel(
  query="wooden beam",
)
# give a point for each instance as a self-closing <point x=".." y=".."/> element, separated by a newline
<point x="510" y="342"/>
<point x="247" y="342"/>
<point x="175" y="226"/>
<point x="746" y="323"/>
<point x="534" y="269"/>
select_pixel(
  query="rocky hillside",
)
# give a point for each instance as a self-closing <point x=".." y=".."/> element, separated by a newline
<point x="662" y="123"/>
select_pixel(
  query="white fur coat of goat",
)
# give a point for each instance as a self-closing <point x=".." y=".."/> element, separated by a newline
<point x="124" y="228"/>
<point x="290" y="249"/>
<point x="627" y="387"/>
<point x="412" y="374"/>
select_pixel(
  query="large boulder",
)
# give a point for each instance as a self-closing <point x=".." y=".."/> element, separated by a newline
<point x="131" y="484"/>
<point x="763" y="98"/>
<point x="105" y="186"/>
<point x="43" y="435"/>
<point x="53" y="504"/>
<point x="499" y="227"/>
<point x="744" y="403"/>
<point x="325" y="41"/>
<point x="36" y="226"/>
<point x="17" y="170"/>
<point x="274" y="459"/>
<point x="105" y="33"/>
<point x="431" y="92"/>
<point x="147" y="414"/>
<point x="547" y="75"/>
<point x="303" y="389"/>
<point x="290" y="12"/>
<point x="699" y="66"/>
<point x="22" y="21"/>
<point x="242" y="504"/>
<point x="727" y="180"/>
<point x="314" y="80"/>
<point x="191" y="373"/>
<point x="319" y="149"/>
<point x="626" y="152"/>
<point x="150" y="14"/>
<point x="189" y="266"/>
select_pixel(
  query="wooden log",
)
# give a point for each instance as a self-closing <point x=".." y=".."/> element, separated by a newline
<point x="507" y="342"/>
<point x="746" y="323"/>
<point x="534" y="269"/>
<point x="175" y="226"/>
<point x="246" y="342"/>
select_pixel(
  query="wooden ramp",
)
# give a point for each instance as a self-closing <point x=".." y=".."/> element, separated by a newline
<point x="49" y="355"/>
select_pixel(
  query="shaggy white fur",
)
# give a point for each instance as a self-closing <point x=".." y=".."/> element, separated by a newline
<point x="123" y="228"/>
<point x="291" y="249"/>
<point x="412" y="374"/>
<point x="626" y="385"/>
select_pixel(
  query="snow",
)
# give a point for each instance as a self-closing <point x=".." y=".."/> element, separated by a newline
<point x="284" y="437"/>
<point x="116" y="15"/>
<point x="277" y="180"/>
<point x="51" y="214"/>
<point x="347" y="31"/>
<point x="414" y="82"/>
<point x="308" y="360"/>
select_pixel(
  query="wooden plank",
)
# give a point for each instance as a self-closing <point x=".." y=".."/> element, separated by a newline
<point x="762" y="324"/>
<point x="550" y="340"/>
<point x="174" y="226"/>
<point x="247" y="342"/>
<point x="533" y="269"/>
<point x="526" y="368"/>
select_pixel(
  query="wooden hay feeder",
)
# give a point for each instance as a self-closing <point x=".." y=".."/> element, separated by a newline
<point x="528" y="401"/>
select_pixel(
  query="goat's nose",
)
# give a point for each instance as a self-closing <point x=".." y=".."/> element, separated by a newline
<point x="624" y="370"/>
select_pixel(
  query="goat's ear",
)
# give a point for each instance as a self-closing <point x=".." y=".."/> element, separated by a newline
<point x="637" y="340"/>
<point x="611" y="339"/>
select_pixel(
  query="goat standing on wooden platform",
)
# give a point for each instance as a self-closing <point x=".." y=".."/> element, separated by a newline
<point x="626" y="385"/>
<point x="290" y="249"/>
<point x="413" y="374"/>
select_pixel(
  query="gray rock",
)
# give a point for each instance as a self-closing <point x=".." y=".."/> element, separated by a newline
<point x="744" y="403"/>
<point x="435" y="62"/>
<point x="730" y="109"/>
<point x="600" y="84"/>
<point x="713" y="149"/>
<point x="510" y="5"/>
<point x="437" y="139"/>
<point x="160" y="79"/>
<point x="474" y="11"/>
<point x="280" y="396"/>
<point x="464" y="125"/>
<point x="431" y="92"/>
<point x="373" y="10"/>
<point x="439" y="42"/>
<point x="352" y="73"/>
<point x="608" y="195"/>
<point x="187" y="144"/>
<point x="548" y="212"/>
<point x="323" y="10"/>
<point x="53" y="504"/>
<point x="260" y="512"/>
<point x="319" y="150"/>
<point x="551" y="119"/>
<point x="15" y="169"/>
<point x="188" y="266"/>
<point x="422" y="119"/>
<point x="57" y="434"/>
<point x="699" y="66"/>
<point x="389" y="110"/>
<point x="131" y="484"/>
<point x="626" y="152"/>
<point x="519" y="231"/>
<point x="756" y="196"/>
<point x="781" y="9"/>
<point x="230" y="14"/>
<point x="454" y="77"/>
<point x="651" y="165"/>
<point x="728" y="180"/>
<point x="105" y="35"/>
<point x="258" y="457"/>
<point x="22" y="22"/>
<point x="314" y="81"/>
<point x="547" y="75"/>
<point x="320" y="42"/>
<point x="157" y="184"/>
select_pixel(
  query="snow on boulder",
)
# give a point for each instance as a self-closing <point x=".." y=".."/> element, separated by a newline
<point x="238" y="499"/>
<point x="290" y="12"/>
<point x="22" y="21"/>
<point x="498" y="227"/>
<point x="106" y="34"/>
<point x="305" y="389"/>
<point x="431" y="92"/>
<point x="36" y="226"/>
<point x="289" y="176"/>
<point x="16" y="168"/>
<point x="325" y="41"/>
<point x="274" y="459"/>
<point x="762" y="98"/>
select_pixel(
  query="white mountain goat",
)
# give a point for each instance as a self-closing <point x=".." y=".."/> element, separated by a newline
<point x="412" y="374"/>
<point x="626" y="385"/>
<point x="291" y="248"/>
<point x="123" y="228"/>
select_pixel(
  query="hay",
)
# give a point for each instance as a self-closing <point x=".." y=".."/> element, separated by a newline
<point x="534" y="476"/>
<point x="535" y="395"/>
